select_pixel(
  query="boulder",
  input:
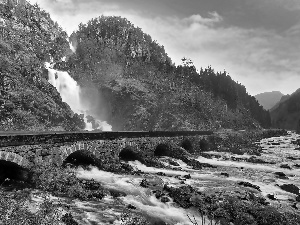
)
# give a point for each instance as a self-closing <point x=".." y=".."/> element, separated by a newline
<point x="281" y="175"/>
<point x="285" y="166"/>
<point x="164" y="199"/>
<point x="181" y="195"/>
<point x="290" y="188"/>
<point x="225" y="174"/>
<point x="68" y="219"/>
<point x="152" y="182"/>
<point x="247" y="184"/>
<point x="173" y="163"/>
<point x="188" y="176"/>
<point x="271" y="196"/>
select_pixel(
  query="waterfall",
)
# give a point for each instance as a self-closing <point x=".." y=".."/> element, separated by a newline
<point x="70" y="93"/>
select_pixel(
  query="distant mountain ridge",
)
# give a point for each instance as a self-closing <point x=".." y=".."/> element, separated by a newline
<point x="269" y="99"/>
<point x="286" y="114"/>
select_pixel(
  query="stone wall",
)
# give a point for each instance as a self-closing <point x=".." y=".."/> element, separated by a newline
<point x="27" y="155"/>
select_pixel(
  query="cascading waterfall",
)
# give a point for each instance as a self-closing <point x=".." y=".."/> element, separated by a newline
<point x="70" y="93"/>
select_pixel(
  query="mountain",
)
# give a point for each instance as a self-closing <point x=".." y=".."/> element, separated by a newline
<point x="287" y="113"/>
<point x="28" y="39"/>
<point x="269" y="99"/>
<point x="126" y="78"/>
<point x="139" y="88"/>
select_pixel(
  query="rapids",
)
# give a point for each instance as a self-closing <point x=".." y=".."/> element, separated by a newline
<point x="109" y="209"/>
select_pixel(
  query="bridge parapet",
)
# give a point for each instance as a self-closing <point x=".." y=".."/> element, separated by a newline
<point x="109" y="146"/>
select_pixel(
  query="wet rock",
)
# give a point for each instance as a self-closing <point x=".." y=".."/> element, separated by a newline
<point x="206" y="155"/>
<point x="161" y="173"/>
<point x="126" y="167"/>
<point x="275" y="143"/>
<point x="225" y="174"/>
<point x="131" y="206"/>
<point x="198" y="165"/>
<point x="293" y="158"/>
<point x="281" y="175"/>
<point x="164" y="199"/>
<point x="68" y="219"/>
<point x="271" y="196"/>
<point x="173" y="163"/>
<point x="177" y="176"/>
<point x="91" y="185"/>
<point x="290" y="188"/>
<point x="153" y="183"/>
<point x="285" y="166"/>
<point x="158" y="193"/>
<point x="116" y="193"/>
<point x="98" y="194"/>
<point x="188" y="176"/>
<point x="247" y="184"/>
<point x="253" y="159"/>
<point x="294" y="205"/>
<point x="144" y="183"/>
<point x="181" y="195"/>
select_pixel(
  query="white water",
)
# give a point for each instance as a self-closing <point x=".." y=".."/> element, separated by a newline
<point x="140" y="197"/>
<point x="70" y="93"/>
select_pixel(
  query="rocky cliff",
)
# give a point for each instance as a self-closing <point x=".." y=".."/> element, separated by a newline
<point x="29" y="38"/>
<point x="141" y="89"/>
<point x="127" y="79"/>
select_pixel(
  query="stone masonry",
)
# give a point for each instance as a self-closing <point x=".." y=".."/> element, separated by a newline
<point x="27" y="155"/>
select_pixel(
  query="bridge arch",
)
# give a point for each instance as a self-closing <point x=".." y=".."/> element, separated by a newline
<point x="14" y="158"/>
<point x="78" y="154"/>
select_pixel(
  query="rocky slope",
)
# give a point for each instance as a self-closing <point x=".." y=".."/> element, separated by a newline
<point x="287" y="113"/>
<point x="126" y="77"/>
<point x="140" y="89"/>
<point x="268" y="99"/>
<point x="27" y="100"/>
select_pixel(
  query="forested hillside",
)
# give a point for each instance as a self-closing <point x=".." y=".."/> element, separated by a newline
<point x="138" y="86"/>
<point x="29" y="38"/>
<point x="287" y="113"/>
<point x="141" y="89"/>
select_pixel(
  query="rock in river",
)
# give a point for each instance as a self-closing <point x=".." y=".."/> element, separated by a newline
<point x="290" y="188"/>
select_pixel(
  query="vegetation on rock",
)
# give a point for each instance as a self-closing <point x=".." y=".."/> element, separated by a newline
<point x="27" y="100"/>
<point x="143" y="90"/>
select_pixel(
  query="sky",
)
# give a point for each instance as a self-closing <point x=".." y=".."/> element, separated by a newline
<point x="256" y="41"/>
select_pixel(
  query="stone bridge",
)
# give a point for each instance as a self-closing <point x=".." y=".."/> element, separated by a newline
<point x="27" y="149"/>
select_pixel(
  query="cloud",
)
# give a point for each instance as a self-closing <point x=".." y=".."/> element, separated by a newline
<point x="260" y="58"/>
